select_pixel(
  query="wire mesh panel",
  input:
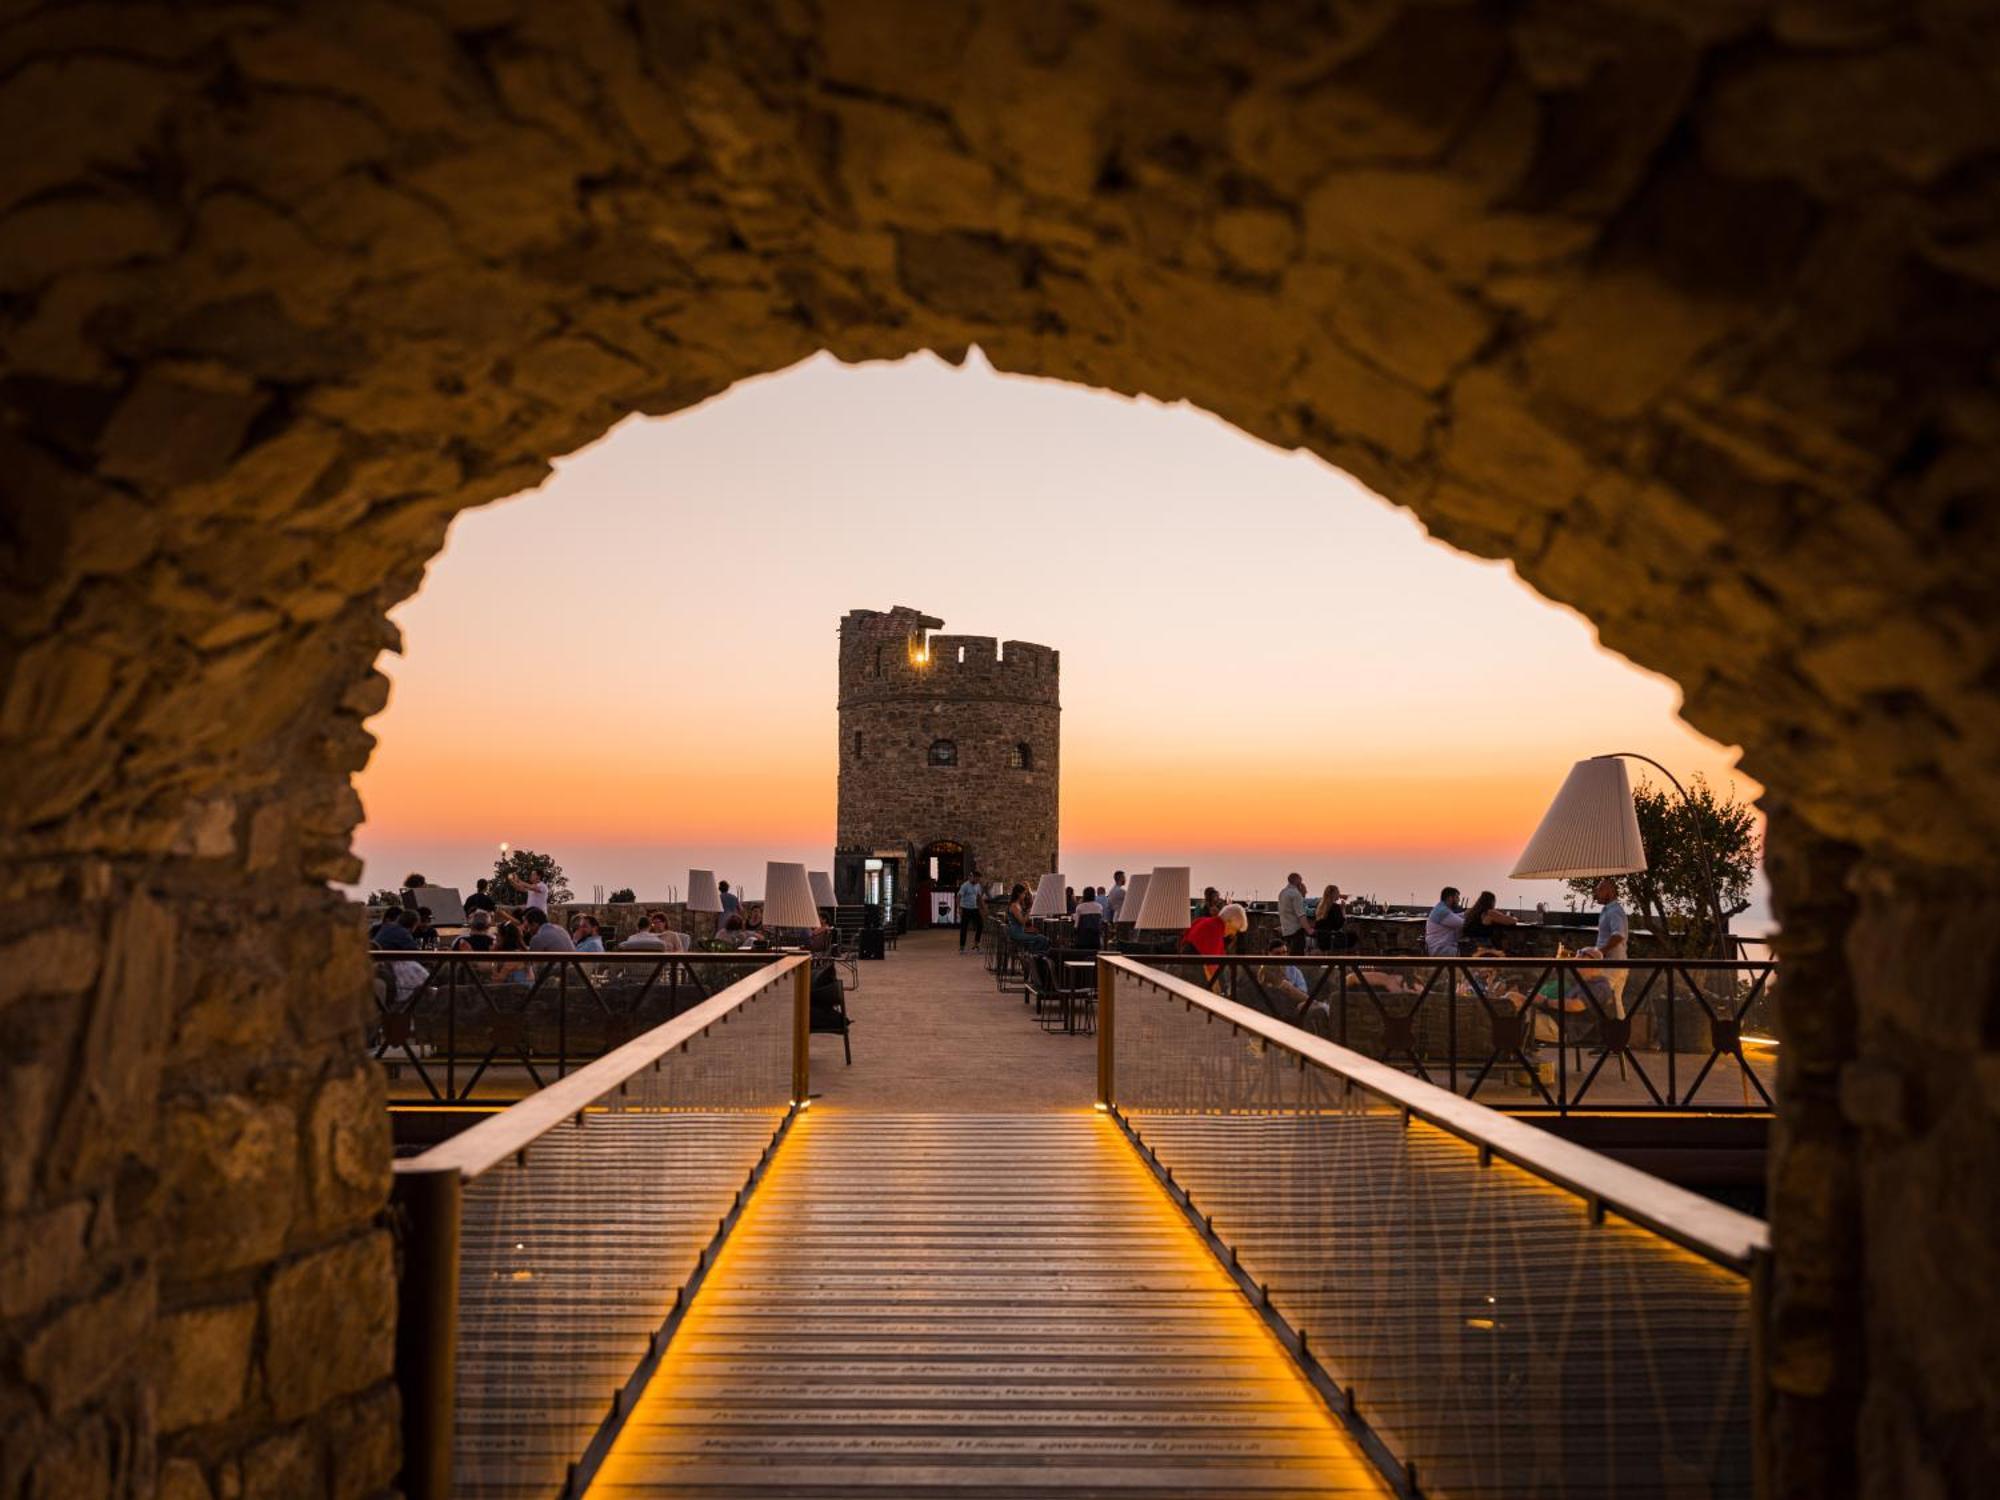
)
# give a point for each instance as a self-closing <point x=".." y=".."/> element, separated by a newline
<point x="1535" y="1034"/>
<point x="1501" y="1335"/>
<point x="578" y="1240"/>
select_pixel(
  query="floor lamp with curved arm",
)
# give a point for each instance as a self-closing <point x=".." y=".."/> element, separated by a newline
<point x="1592" y="829"/>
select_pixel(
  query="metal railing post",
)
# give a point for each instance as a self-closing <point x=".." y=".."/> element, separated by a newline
<point x="802" y="1032"/>
<point x="427" y="1206"/>
<point x="1107" y="1080"/>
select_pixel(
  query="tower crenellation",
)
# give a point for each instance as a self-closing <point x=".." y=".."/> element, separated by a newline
<point x="949" y="752"/>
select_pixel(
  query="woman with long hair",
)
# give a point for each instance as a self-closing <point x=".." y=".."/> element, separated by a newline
<point x="1480" y="921"/>
<point x="1330" y="934"/>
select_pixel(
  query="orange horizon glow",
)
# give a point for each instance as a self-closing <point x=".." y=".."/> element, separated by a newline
<point x="637" y="662"/>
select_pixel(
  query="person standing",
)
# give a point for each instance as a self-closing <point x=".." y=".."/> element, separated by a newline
<point x="1443" y="925"/>
<point x="732" y="905"/>
<point x="1114" y="899"/>
<point x="1330" y="934"/>
<point x="479" y="900"/>
<point x="1613" y="931"/>
<point x="536" y="889"/>
<point x="1292" y="915"/>
<point x="971" y="918"/>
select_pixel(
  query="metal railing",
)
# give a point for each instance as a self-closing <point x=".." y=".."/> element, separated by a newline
<point x="517" y="1021"/>
<point x="1554" y="1034"/>
<point x="550" y="1250"/>
<point x="1495" y="1311"/>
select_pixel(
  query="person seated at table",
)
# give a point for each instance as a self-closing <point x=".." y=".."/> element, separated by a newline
<point x="1017" y="924"/>
<point x="586" y="934"/>
<point x="425" y="932"/>
<point x="1211" y="902"/>
<point x="676" y="940"/>
<point x="545" y="936"/>
<point x="1282" y="983"/>
<point x="478" y="934"/>
<point x="1573" y="992"/>
<point x="510" y="941"/>
<point x="1480" y="920"/>
<point x="645" y="938"/>
<point x="1089" y="919"/>
<point x="1212" y="935"/>
<point x="394" y="934"/>
<point x="736" y="933"/>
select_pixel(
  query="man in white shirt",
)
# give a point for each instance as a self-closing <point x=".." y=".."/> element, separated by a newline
<point x="1612" y="930"/>
<point x="536" y="890"/>
<point x="646" y="940"/>
<point x="1442" y="926"/>
<point x="1292" y="913"/>
<point x="1114" y="899"/>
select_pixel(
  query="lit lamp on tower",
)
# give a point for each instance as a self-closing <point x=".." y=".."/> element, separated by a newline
<point x="788" y="901"/>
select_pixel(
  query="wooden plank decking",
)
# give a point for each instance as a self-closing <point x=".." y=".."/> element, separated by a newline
<point x="973" y="1306"/>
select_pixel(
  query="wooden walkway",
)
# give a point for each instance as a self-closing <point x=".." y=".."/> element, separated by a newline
<point x="967" y="1305"/>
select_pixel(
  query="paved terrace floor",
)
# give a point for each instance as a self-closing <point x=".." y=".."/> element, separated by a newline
<point x="932" y="1035"/>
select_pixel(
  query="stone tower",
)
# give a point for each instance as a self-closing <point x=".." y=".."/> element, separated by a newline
<point x="949" y="759"/>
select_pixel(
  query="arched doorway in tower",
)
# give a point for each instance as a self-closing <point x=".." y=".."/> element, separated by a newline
<point x="942" y="869"/>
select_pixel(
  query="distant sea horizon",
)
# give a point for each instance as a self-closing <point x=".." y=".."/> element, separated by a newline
<point x="659" y="872"/>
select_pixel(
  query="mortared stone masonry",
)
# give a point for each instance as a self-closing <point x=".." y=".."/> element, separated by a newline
<point x="1688" y="309"/>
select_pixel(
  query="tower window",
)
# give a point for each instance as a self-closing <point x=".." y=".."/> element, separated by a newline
<point x="1022" y="757"/>
<point x="878" y="661"/>
<point x="944" y="753"/>
<point x="857" y="744"/>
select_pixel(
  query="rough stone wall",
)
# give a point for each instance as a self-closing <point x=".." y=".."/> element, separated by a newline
<point x="904" y="686"/>
<point x="1687" y="309"/>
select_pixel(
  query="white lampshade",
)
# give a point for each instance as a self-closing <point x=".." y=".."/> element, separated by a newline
<point x="788" y="897"/>
<point x="1166" y="904"/>
<point x="822" y="888"/>
<point x="702" y="894"/>
<point x="1590" y="829"/>
<point x="1049" y="898"/>
<point x="1135" y="897"/>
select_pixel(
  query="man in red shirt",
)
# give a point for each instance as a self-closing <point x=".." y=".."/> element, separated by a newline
<point x="1210" y="935"/>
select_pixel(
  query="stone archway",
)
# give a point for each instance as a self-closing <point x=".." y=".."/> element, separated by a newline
<point x="1689" y="310"/>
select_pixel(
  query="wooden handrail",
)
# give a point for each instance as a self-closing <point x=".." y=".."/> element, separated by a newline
<point x="1723" y="1235"/>
<point x="499" y="1137"/>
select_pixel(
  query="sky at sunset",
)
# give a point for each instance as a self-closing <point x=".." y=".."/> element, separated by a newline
<point x="1264" y="666"/>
